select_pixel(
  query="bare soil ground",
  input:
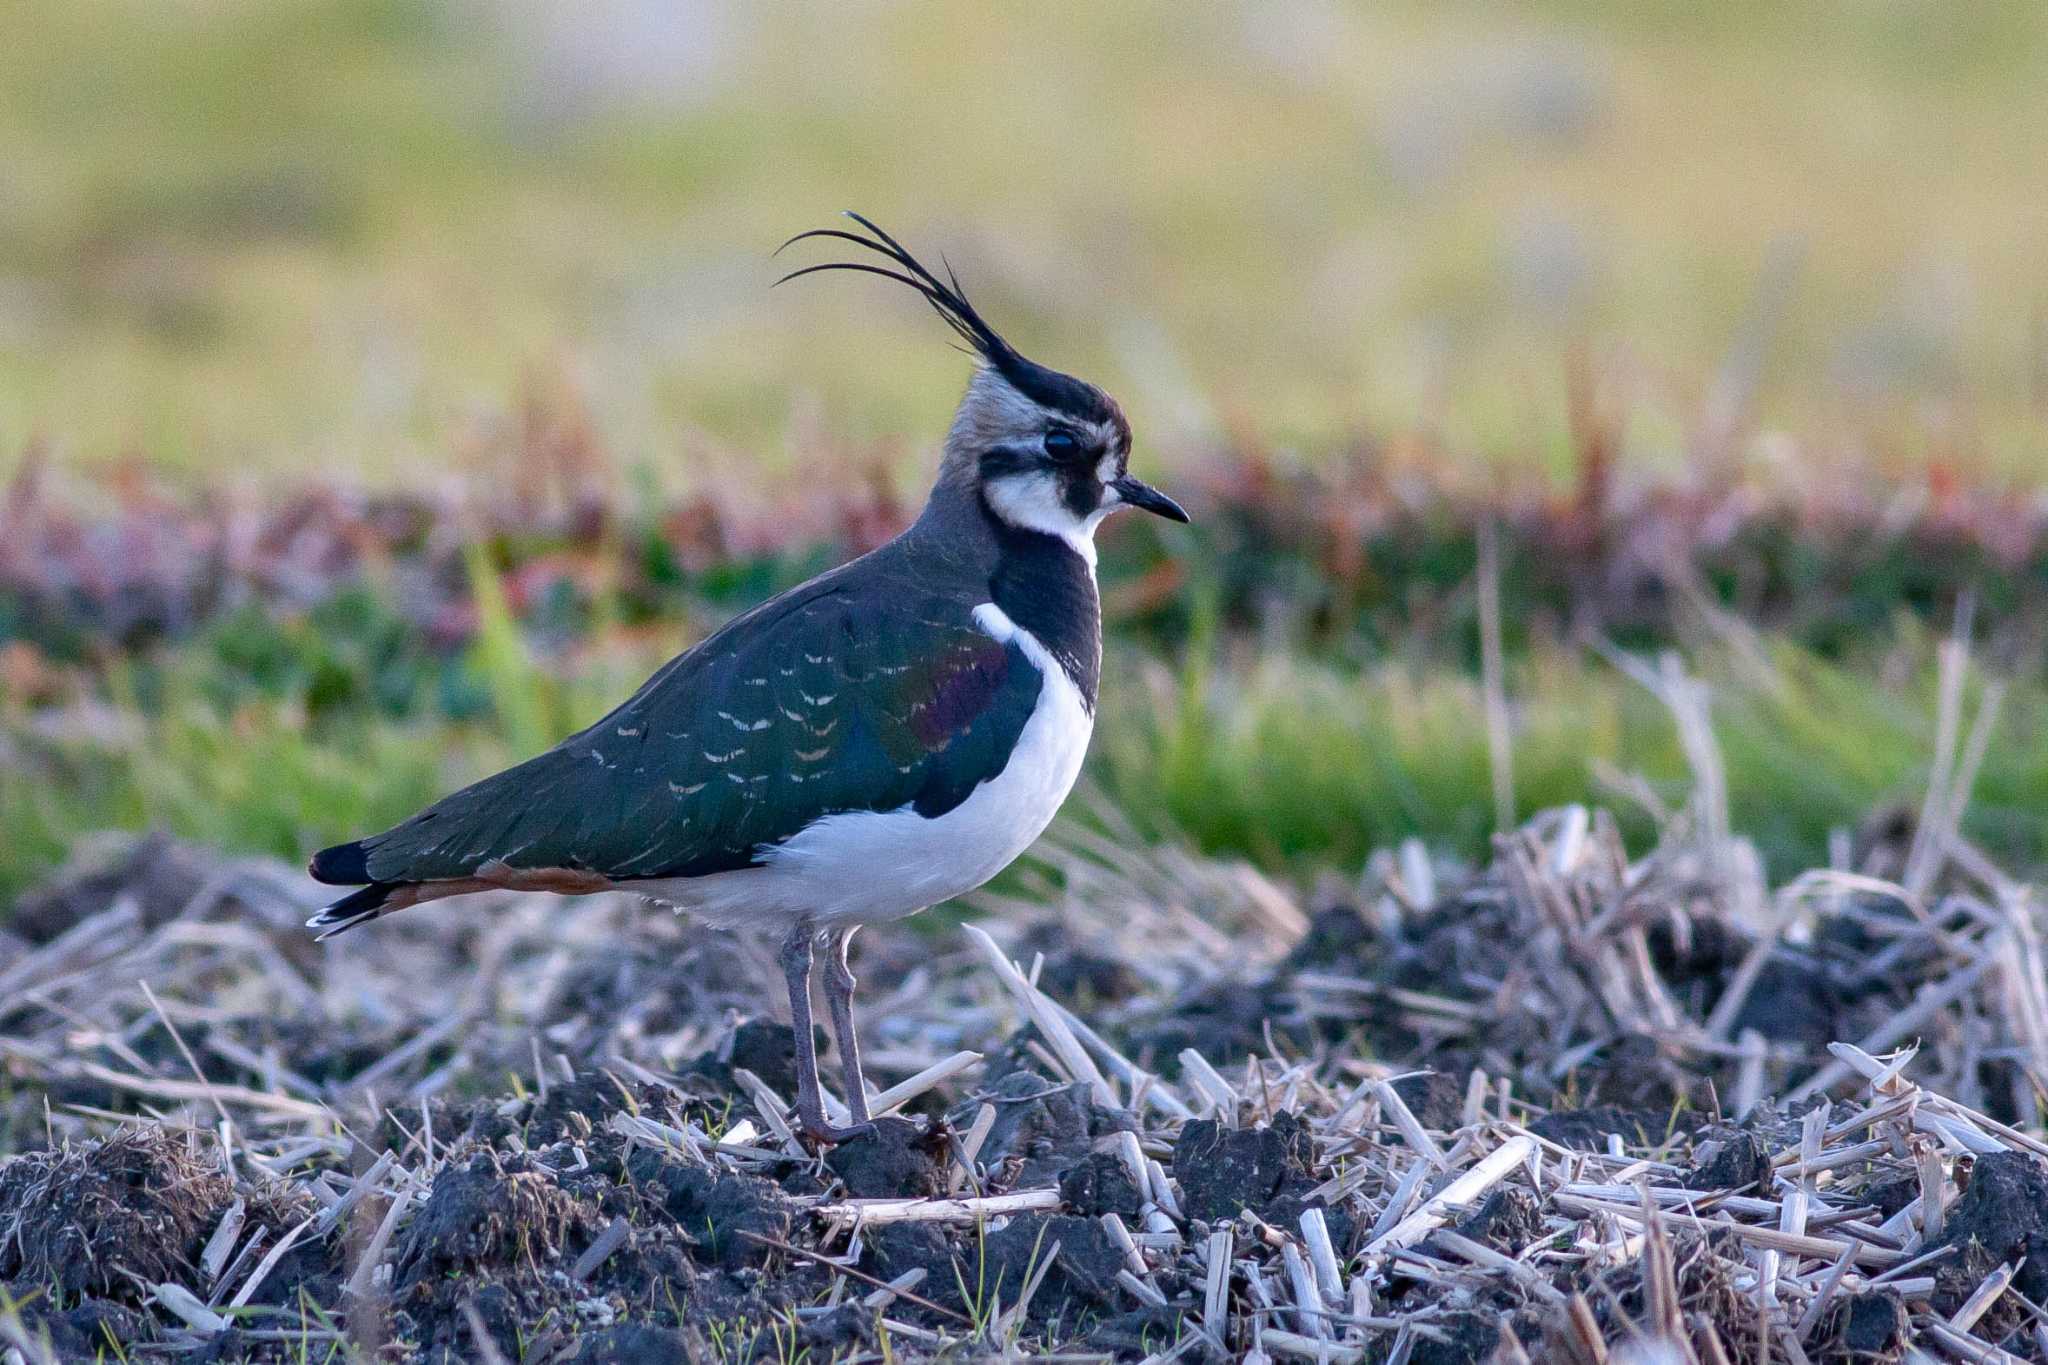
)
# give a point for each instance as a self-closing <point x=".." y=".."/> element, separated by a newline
<point x="1571" y="1105"/>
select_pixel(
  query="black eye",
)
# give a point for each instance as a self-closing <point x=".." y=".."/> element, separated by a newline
<point x="1061" y="445"/>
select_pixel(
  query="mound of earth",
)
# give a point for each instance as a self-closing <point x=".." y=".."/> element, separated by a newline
<point x="1551" y="1107"/>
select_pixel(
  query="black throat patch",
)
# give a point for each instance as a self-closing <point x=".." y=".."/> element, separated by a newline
<point x="1044" y="585"/>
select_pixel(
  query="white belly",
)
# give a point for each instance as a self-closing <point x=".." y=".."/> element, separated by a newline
<point x="863" y="866"/>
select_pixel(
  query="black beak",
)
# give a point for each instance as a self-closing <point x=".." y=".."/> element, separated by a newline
<point x="1139" y="494"/>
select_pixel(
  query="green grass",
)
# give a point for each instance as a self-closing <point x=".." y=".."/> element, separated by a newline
<point x="1294" y="760"/>
<point x="341" y="237"/>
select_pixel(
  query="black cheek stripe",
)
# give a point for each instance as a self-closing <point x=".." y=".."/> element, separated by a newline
<point x="1081" y="491"/>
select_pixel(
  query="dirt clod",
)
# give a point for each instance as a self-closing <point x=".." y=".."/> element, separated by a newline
<point x="141" y="1201"/>
<point x="1101" y="1183"/>
<point x="1733" y="1159"/>
<point x="1507" y="1220"/>
<point x="631" y="1343"/>
<point x="1075" y="975"/>
<point x="1084" y="1261"/>
<point x="847" y="1329"/>
<point x="1042" y="1128"/>
<point x="1871" y="1327"/>
<point x="1436" y="1099"/>
<point x="489" y="1211"/>
<point x="896" y="1248"/>
<point x="762" y="1046"/>
<point x="716" y="1211"/>
<point x="92" y="1330"/>
<point x="2001" y="1217"/>
<point x="1137" y="1334"/>
<point x="899" y="1159"/>
<point x="1587" y="1130"/>
<point x="1224" y="1171"/>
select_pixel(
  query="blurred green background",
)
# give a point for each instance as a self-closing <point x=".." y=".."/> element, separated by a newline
<point x="330" y="237"/>
<point x="1401" y="248"/>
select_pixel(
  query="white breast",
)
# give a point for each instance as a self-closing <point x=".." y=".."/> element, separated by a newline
<point x="878" y="865"/>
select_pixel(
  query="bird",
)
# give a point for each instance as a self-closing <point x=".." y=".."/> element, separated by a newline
<point x="876" y="741"/>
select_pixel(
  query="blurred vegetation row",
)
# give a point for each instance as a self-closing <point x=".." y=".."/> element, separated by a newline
<point x="281" y="236"/>
<point x="1294" y="676"/>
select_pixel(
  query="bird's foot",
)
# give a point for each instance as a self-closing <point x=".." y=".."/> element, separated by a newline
<point x="822" y="1134"/>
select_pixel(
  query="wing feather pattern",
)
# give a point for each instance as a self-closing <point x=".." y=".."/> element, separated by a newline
<point x="812" y="705"/>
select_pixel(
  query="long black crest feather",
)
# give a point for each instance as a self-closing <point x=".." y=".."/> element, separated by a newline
<point x="949" y="301"/>
<point x="945" y="296"/>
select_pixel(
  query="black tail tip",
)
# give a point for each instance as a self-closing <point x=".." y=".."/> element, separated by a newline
<point x="358" y="907"/>
<point x="342" y="865"/>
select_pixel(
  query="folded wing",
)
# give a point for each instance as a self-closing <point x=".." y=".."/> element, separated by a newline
<point x="810" y="707"/>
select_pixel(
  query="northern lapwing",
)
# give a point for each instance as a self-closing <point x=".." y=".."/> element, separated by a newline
<point x="883" y="738"/>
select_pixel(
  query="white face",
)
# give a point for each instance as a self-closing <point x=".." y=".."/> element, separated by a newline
<point x="1035" y="501"/>
<point x="1041" y="470"/>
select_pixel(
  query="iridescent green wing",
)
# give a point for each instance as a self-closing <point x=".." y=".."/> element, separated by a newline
<point x="829" y="702"/>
